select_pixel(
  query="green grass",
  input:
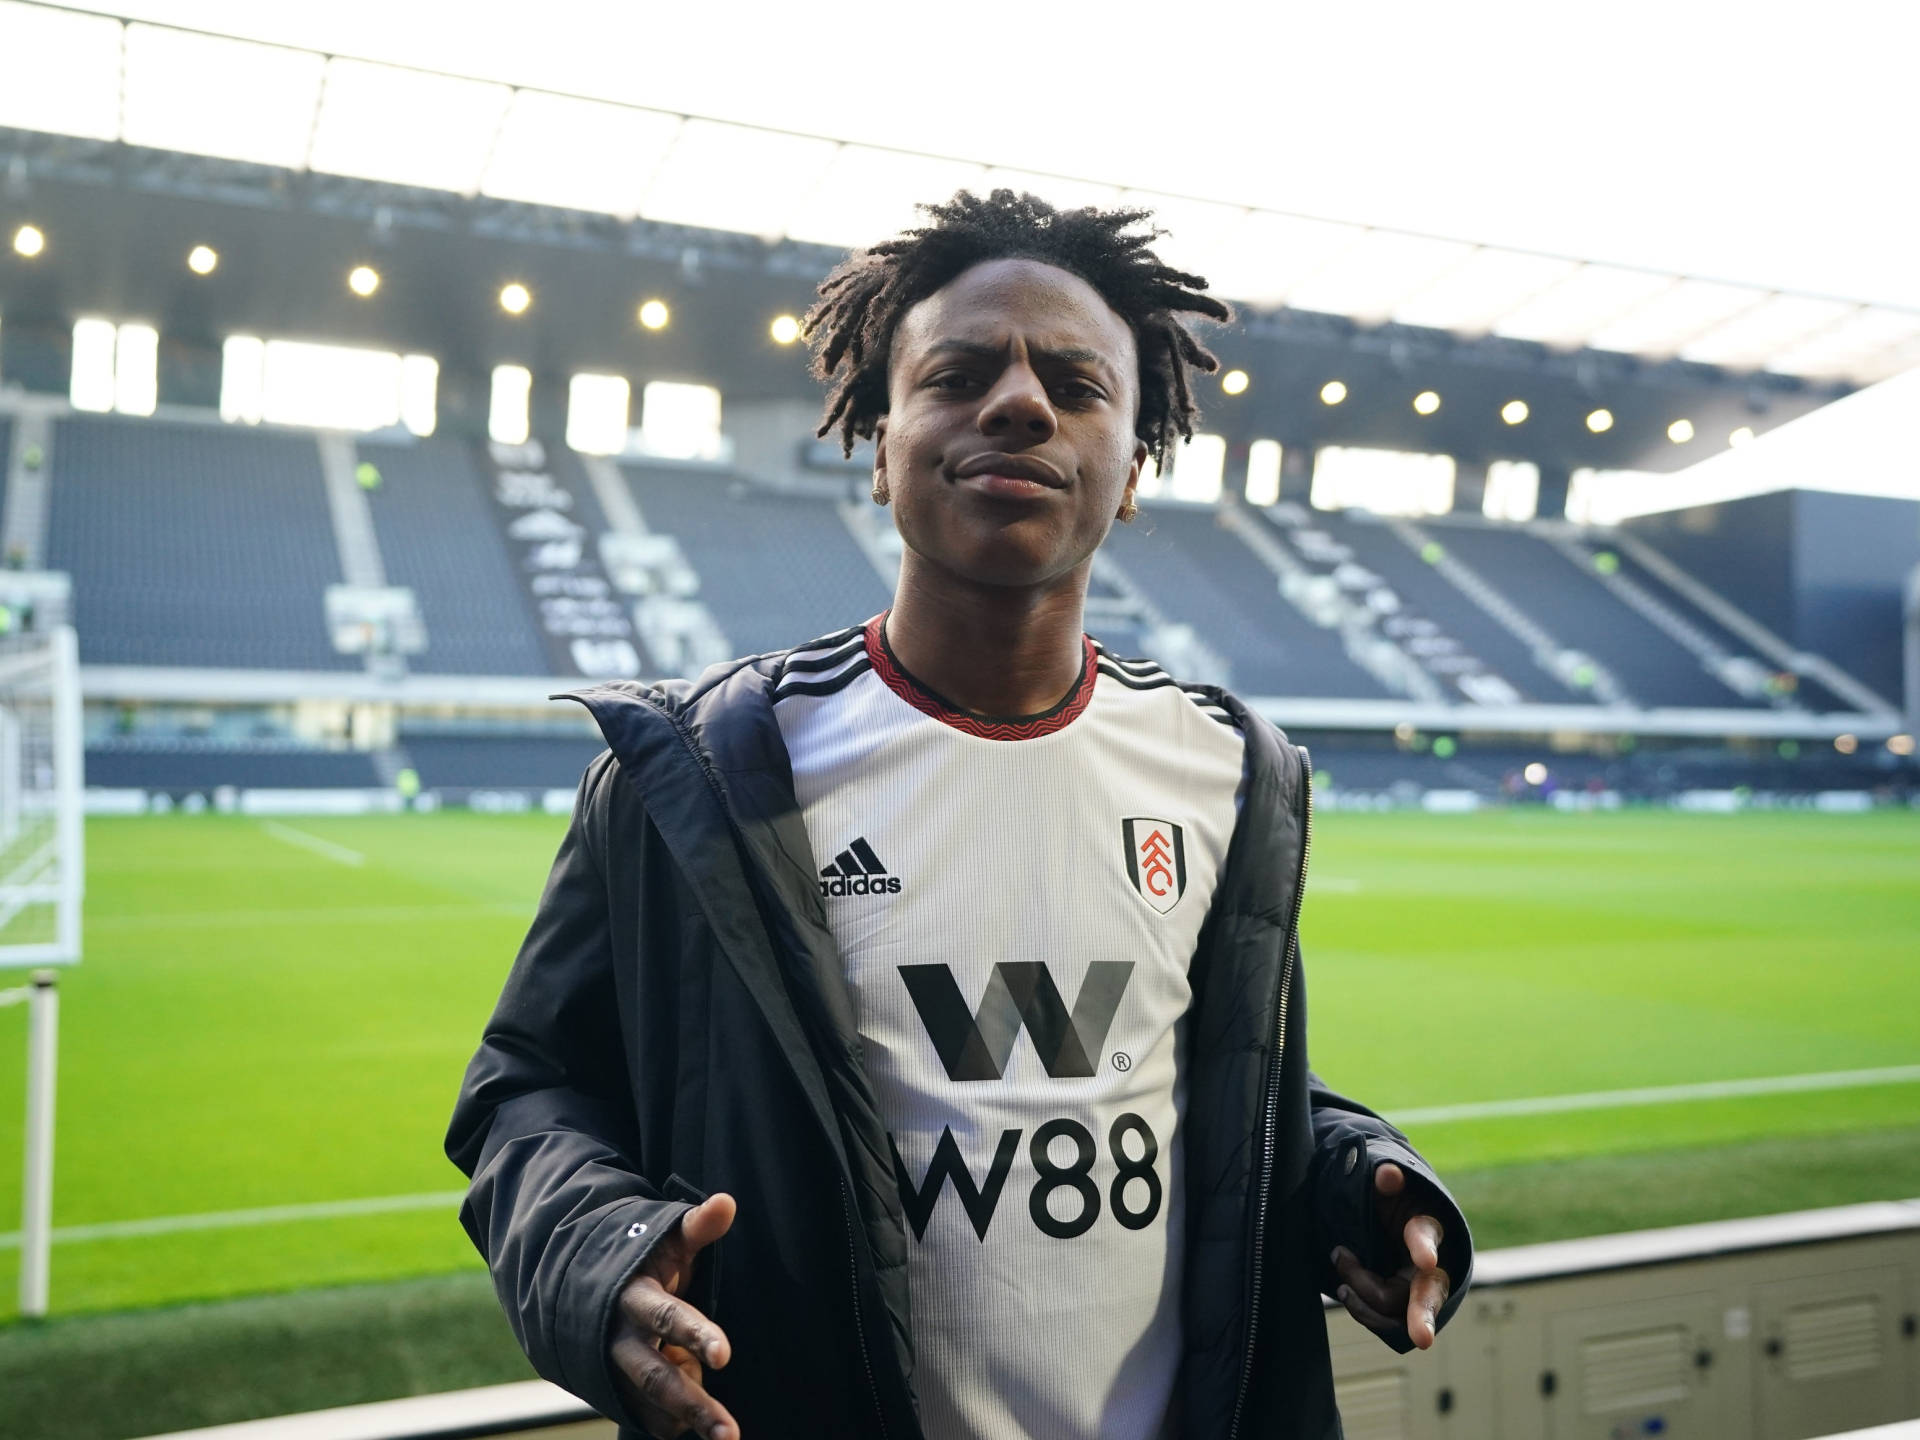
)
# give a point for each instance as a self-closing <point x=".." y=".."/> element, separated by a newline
<point x="256" y="1025"/>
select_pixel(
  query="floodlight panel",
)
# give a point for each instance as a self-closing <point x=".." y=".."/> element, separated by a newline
<point x="1199" y="468"/>
<point x="1382" y="269"/>
<point x="731" y="177"/>
<point x="866" y="195"/>
<point x="1513" y="490"/>
<point x="578" y="154"/>
<point x="1056" y="190"/>
<point x="90" y="380"/>
<point x="136" y="369"/>
<point x="330" y="387"/>
<point x="1777" y="324"/>
<point x="1268" y="254"/>
<point x="1489" y="283"/>
<point x="1263" y="472"/>
<point x="597" y="413"/>
<point x="1851" y="348"/>
<point x="205" y="95"/>
<point x="243" y="360"/>
<point x="1199" y="234"/>
<point x="679" y="421"/>
<point x="1675" y="316"/>
<point x="1592" y="296"/>
<point x="59" y="72"/>
<point x="379" y="122"/>
<point x="507" y="408"/>
<point x="419" y="393"/>
<point x="1387" y="482"/>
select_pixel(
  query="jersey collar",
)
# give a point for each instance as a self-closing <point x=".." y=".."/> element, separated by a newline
<point x="988" y="727"/>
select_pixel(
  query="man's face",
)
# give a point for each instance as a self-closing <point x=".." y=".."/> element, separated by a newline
<point x="1008" y="445"/>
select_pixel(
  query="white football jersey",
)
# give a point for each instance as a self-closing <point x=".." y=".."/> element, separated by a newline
<point x="1017" y="903"/>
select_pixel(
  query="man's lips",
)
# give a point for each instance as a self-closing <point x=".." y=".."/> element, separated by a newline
<point x="1011" y="476"/>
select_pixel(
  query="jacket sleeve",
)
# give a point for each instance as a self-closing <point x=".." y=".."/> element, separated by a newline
<point x="545" y="1128"/>
<point x="1350" y="1143"/>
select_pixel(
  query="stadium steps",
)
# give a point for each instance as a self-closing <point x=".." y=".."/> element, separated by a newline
<point x="1573" y="604"/>
<point x="1568" y="666"/>
<point x="776" y="569"/>
<point x="1200" y="574"/>
<point x="432" y="522"/>
<point x="23" y="521"/>
<point x="1824" y="685"/>
<point x="353" y="533"/>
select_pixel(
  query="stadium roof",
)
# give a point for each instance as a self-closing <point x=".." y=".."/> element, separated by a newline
<point x="94" y="76"/>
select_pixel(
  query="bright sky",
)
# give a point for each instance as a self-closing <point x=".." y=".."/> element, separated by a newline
<point x="1764" y="142"/>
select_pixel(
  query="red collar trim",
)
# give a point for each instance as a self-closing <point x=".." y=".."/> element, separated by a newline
<point x="988" y="727"/>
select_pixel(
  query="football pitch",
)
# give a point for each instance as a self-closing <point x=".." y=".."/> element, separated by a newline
<point x="260" y="1051"/>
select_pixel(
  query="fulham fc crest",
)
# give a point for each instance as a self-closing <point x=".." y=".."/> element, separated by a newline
<point x="1156" y="860"/>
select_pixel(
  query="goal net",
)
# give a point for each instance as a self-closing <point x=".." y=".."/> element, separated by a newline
<point x="41" y="824"/>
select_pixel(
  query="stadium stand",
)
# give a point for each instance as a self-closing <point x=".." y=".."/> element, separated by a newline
<point x="776" y="569"/>
<point x="478" y="761"/>
<point x="1427" y="594"/>
<point x="6" y="465"/>
<point x="1572" y="605"/>
<point x="1200" y="574"/>
<point x="188" y="766"/>
<point x="193" y="545"/>
<point x="439" y="539"/>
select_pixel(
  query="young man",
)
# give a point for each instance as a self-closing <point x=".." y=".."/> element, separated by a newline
<point x="948" y="967"/>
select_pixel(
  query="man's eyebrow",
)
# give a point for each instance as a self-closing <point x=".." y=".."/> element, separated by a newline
<point x="1064" y="355"/>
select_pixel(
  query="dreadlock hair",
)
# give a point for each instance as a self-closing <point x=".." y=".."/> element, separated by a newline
<point x="851" y="326"/>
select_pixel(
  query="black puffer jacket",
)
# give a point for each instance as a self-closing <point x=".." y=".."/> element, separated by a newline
<point x="678" y="1022"/>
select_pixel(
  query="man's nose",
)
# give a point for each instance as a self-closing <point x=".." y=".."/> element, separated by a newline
<point x="1017" y="406"/>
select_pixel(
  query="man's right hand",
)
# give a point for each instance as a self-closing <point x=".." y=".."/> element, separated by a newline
<point x="661" y="1343"/>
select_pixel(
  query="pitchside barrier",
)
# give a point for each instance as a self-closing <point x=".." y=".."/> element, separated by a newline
<point x="1786" y="1327"/>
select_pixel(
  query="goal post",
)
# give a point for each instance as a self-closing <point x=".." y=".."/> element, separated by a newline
<point x="42" y="884"/>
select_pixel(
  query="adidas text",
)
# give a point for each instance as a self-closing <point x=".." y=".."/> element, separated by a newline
<point x="861" y="885"/>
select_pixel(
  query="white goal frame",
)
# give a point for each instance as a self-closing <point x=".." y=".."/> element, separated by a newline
<point x="52" y="874"/>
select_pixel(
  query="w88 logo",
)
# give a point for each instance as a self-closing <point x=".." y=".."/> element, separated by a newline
<point x="1133" y="1197"/>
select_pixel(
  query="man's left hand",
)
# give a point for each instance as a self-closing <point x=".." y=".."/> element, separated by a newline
<point x="1418" y="1288"/>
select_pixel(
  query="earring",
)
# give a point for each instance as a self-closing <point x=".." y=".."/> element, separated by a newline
<point x="1128" y="509"/>
<point x="880" y="496"/>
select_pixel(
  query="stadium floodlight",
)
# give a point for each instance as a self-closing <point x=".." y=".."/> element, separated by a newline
<point x="363" y="280"/>
<point x="1426" y="402"/>
<point x="785" y="329"/>
<point x="1680" y="431"/>
<point x="1535" y="773"/>
<point x="1234" y="382"/>
<point x="1333" y="392"/>
<point x="1846" y="744"/>
<point x="515" y="298"/>
<point x="29" y="241"/>
<point x="203" y="259"/>
<point x="1740" y="435"/>
<point x="1901" y="744"/>
<point x="1600" y="421"/>
<point x="654" y="315"/>
<point x="1515" y="412"/>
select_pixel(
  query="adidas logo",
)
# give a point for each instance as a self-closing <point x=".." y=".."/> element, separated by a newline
<point x="856" y="870"/>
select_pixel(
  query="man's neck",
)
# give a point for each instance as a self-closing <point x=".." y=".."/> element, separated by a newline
<point x="990" y="649"/>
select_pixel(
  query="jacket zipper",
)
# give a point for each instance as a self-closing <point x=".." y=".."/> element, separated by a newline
<point x="846" y="1198"/>
<point x="1272" y="1114"/>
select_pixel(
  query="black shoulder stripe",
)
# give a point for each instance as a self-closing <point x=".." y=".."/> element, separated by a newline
<point x="823" y="687"/>
<point x="1136" y="682"/>
<point x="814" y="662"/>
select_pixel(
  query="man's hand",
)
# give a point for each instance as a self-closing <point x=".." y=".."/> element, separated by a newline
<point x="660" y="1342"/>
<point x="1417" y="1289"/>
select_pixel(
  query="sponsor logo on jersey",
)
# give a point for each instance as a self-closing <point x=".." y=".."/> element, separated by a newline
<point x="856" y="870"/>
<point x="976" y="1044"/>
<point x="1156" y="860"/>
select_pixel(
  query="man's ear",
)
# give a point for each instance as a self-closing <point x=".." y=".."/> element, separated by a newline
<point x="880" y="486"/>
<point x="1133" y="472"/>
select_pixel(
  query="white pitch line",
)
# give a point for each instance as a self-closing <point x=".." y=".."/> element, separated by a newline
<point x="229" y="1219"/>
<point x="1660" y="1095"/>
<point x="1433" y="1115"/>
<point x="324" y="848"/>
